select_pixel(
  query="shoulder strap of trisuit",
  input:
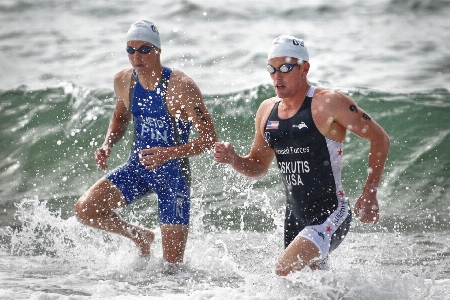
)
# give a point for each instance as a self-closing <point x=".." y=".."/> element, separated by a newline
<point x="164" y="86"/>
<point x="184" y="162"/>
<point x="133" y="81"/>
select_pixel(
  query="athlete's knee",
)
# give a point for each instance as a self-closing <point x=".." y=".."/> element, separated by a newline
<point x="81" y="210"/>
<point x="282" y="270"/>
<point x="102" y="198"/>
<point x="86" y="208"/>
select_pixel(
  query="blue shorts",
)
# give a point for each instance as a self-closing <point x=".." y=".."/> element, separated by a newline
<point x="170" y="182"/>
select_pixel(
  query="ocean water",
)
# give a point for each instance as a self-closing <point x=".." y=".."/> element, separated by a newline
<point x="57" y="61"/>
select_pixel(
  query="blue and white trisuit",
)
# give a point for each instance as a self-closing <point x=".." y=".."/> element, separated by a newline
<point x="154" y="126"/>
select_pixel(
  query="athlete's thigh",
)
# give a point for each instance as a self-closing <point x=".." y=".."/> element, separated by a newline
<point x="299" y="250"/>
<point x="103" y="196"/>
<point x="173" y="200"/>
<point x="132" y="180"/>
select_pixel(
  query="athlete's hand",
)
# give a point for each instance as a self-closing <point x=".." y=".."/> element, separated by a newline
<point x="154" y="157"/>
<point x="366" y="208"/>
<point x="224" y="153"/>
<point x="101" y="155"/>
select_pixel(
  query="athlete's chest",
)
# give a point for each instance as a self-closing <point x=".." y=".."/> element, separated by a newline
<point x="147" y="103"/>
<point x="294" y="130"/>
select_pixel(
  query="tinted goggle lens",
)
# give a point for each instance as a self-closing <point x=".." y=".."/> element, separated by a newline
<point x="283" y="68"/>
<point x="143" y="49"/>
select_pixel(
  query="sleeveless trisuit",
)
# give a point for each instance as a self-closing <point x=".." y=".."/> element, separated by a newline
<point x="154" y="126"/>
<point x="310" y="166"/>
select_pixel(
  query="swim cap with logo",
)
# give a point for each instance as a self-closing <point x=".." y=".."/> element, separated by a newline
<point x="287" y="45"/>
<point x="144" y="30"/>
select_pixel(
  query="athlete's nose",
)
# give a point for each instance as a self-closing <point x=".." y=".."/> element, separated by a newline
<point x="136" y="57"/>
<point x="278" y="75"/>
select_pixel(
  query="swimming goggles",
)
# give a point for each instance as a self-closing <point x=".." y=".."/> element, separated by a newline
<point x="143" y="50"/>
<point x="286" y="68"/>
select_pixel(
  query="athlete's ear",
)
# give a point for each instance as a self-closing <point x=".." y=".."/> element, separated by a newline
<point x="305" y="68"/>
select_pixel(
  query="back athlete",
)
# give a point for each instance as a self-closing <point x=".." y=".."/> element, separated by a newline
<point x="163" y="104"/>
<point x="304" y="128"/>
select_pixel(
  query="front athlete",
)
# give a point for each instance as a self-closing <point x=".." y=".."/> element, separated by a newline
<point x="304" y="128"/>
<point x="310" y="167"/>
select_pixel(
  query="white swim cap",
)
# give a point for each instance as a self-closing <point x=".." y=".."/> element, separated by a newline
<point x="144" y="30"/>
<point x="287" y="45"/>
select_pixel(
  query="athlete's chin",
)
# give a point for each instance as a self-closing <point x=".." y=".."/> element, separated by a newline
<point x="281" y="92"/>
<point x="140" y="68"/>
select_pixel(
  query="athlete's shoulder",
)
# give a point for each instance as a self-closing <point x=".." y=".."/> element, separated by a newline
<point x="122" y="78"/>
<point x="330" y="99"/>
<point x="269" y="102"/>
<point x="180" y="76"/>
<point x="322" y="92"/>
<point x="183" y="86"/>
<point x="181" y="82"/>
<point x="122" y="85"/>
<point x="266" y="105"/>
<point x="328" y="95"/>
<point x="265" y="108"/>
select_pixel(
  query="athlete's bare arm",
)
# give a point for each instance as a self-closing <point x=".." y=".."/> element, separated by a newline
<point x="340" y="113"/>
<point x="257" y="162"/>
<point x="185" y="101"/>
<point x="119" y="120"/>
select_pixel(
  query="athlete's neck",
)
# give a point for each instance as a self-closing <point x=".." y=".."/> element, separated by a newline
<point x="149" y="80"/>
<point x="293" y="103"/>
